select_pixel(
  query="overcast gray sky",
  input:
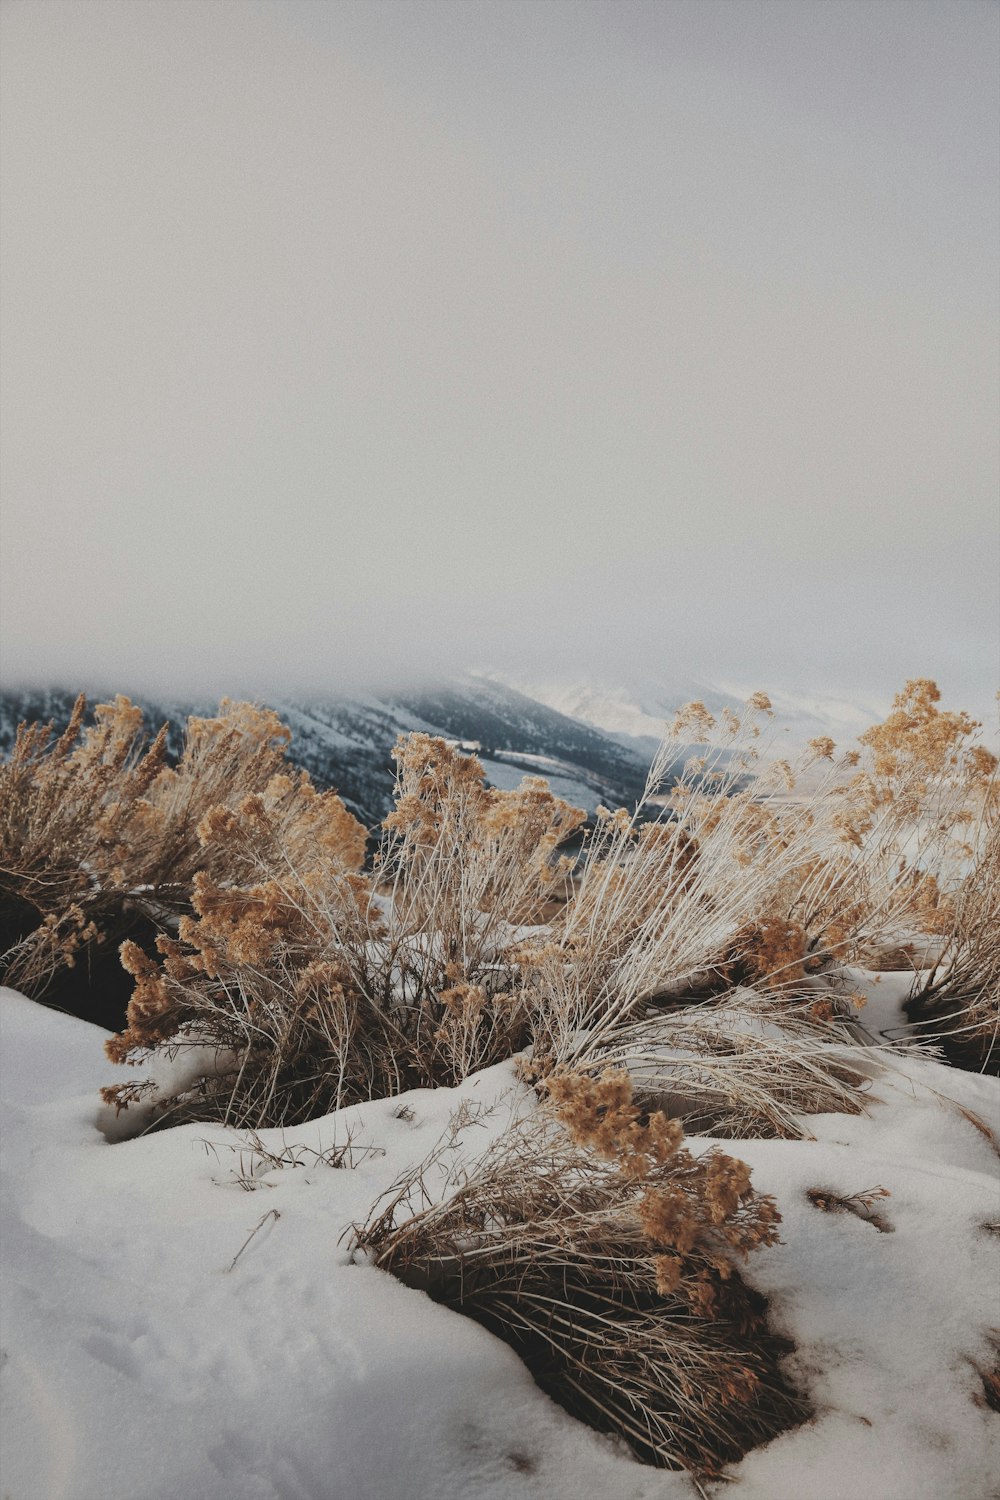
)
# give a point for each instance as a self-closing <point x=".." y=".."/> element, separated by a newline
<point x="347" y="341"/>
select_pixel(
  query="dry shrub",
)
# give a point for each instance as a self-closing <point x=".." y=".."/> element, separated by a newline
<point x="316" y="986"/>
<point x="96" y="831"/>
<point x="958" y="1002"/>
<point x="741" y="1066"/>
<point x="642" y="966"/>
<point x="605" y="1254"/>
<point x="74" y="837"/>
<point x="773" y="876"/>
<point x="916" y="810"/>
<point x="260" y="972"/>
<point x="767" y="873"/>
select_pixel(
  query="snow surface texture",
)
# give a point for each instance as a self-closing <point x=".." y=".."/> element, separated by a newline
<point x="156" y="1346"/>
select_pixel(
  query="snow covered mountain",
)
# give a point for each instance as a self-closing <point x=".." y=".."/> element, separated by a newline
<point x="346" y="742"/>
<point x="635" y="712"/>
<point x="592" y="740"/>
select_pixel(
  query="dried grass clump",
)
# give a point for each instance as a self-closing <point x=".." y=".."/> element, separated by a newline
<point x="261" y="971"/>
<point x="958" y="1002"/>
<point x="605" y="1253"/>
<point x="317" y="985"/>
<point x="767" y="874"/>
<point x="702" y="950"/>
<point x="915" y="812"/>
<point x="742" y="1066"/>
<point x="96" y="831"/>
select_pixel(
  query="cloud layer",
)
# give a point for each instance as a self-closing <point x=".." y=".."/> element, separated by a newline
<point x="358" y="341"/>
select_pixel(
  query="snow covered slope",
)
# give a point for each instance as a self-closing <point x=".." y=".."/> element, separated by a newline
<point x="635" y="711"/>
<point x="169" y="1335"/>
<point x="347" y="742"/>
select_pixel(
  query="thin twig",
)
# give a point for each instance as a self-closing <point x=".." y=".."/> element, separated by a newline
<point x="272" y="1213"/>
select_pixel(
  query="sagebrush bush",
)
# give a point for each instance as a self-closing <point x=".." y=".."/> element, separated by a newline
<point x="318" y="984"/>
<point x="96" y="830"/>
<point x="594" y="1242"/>
<point x="769" y="876"/>
<point x="958" y="1001"/>
<point x="249" y="972"/>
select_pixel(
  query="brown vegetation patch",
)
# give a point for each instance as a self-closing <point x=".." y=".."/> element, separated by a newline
<point x="606" y="1255"/>
<point x="861" y="1205"/>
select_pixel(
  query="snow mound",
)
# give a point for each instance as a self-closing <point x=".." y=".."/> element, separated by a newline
<point x="183" y="1319"/>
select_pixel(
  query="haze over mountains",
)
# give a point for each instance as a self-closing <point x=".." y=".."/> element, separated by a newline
<point x="592" y="741"/>
<point x="634" y="710"/>
<point x="346" y="742"/>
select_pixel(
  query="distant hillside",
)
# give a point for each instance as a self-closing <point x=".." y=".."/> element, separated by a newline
<point x="635" y="712"/>
<point x="346" y="743"/>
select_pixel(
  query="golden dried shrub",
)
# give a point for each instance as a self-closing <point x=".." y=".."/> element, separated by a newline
<point x="607" y="1255"/>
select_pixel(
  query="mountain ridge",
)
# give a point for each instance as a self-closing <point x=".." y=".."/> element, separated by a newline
<point x="346" y="742"/>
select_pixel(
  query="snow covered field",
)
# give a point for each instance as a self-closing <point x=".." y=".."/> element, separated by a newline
<point x="170" y="1335"/>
